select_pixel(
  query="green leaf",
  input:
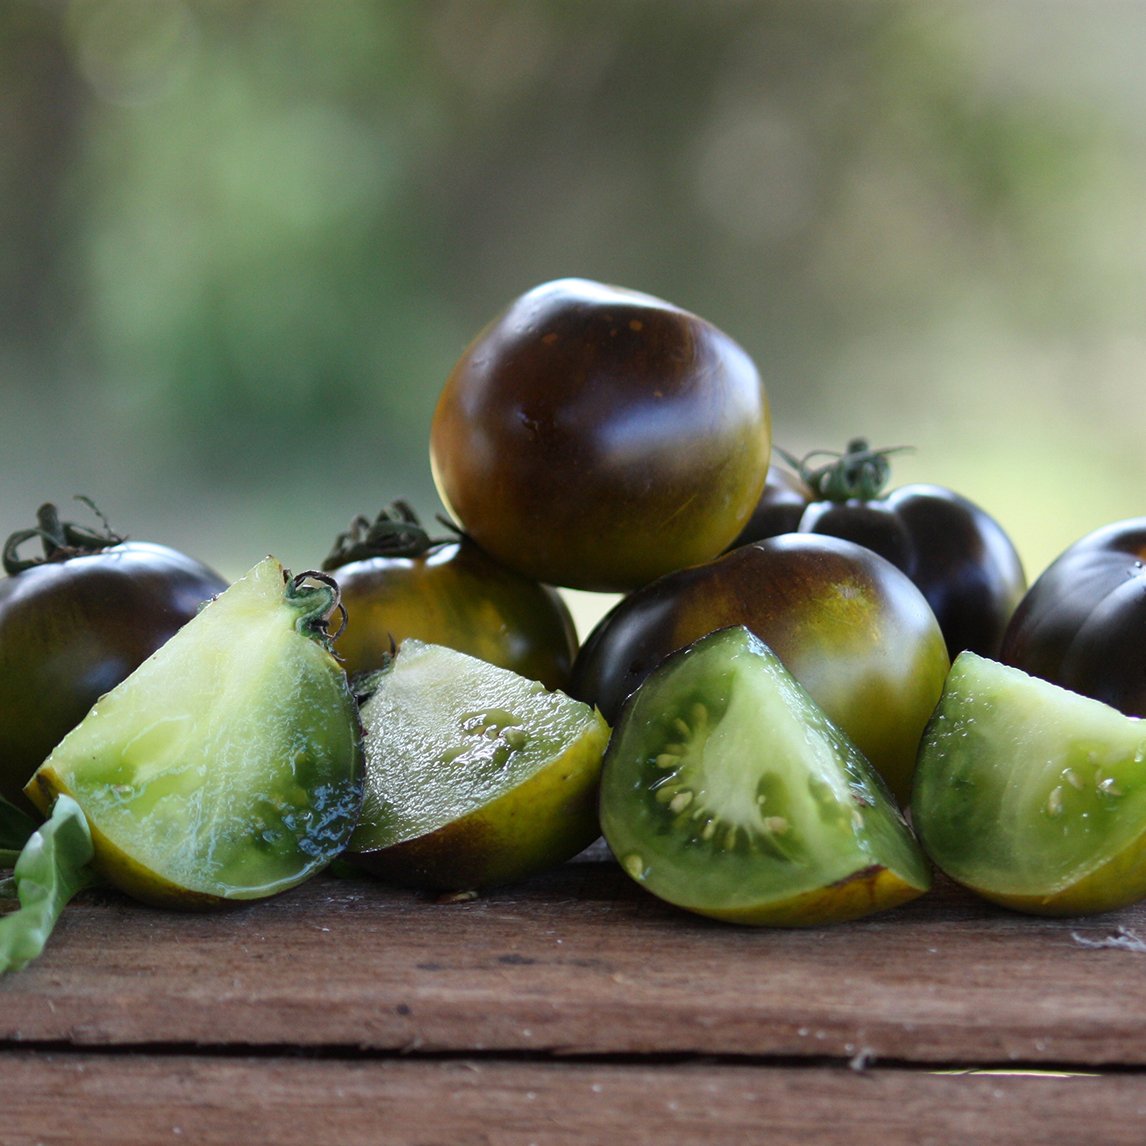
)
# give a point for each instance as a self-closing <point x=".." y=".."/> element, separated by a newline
<point x="52" y="867"/>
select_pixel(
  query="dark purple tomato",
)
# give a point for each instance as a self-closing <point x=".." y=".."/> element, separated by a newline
<point x="74" y="623"/>
<point x="957" y="554"/>
<point x="1082" y="624"/>
<point x="851" y="627"/>
<point x="397" y="582"/>
<point x="595" y="438"/>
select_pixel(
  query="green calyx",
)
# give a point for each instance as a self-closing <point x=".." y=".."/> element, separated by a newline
<point x="61" y="539"/>
<point x="858" y="474"/>
<point x="395" y="532"/>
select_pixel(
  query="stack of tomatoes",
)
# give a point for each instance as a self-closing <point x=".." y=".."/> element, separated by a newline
<point x="777" y="670"/>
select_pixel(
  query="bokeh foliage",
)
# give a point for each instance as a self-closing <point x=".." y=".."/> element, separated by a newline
<point x="244" y="242"/>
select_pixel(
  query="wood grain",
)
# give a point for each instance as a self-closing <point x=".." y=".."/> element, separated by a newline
<point x="582" y="962"/>
<point x="110" y="1100"/>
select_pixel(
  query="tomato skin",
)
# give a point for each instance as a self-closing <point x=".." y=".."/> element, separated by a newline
<point x="1082" y="624"/>
<point x="782" y="503"/>
<point x="595" y="438"/>
<point x="849" y="625"/>
<point x="455" y="595"/>
<point x="72" y="629"/>
<point x="956" y="553"/>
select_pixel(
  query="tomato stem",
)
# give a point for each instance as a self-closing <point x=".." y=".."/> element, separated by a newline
<point x="61" y="539"/>
<point x="858" y="474"/>
<point x="318" y="597"/>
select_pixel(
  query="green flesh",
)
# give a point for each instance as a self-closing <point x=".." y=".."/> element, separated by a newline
<point x="1024" y="788"/>
<point x="446" y="734"/>
<point x="726" y="787"/>
<point x="227" y="763"/>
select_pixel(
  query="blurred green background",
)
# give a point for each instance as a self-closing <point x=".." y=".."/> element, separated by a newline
<point x="243" y="243"/>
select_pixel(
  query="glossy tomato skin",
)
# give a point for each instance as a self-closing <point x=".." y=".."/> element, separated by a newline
<point x="70" y="630"/>
<point x="456" y="595"/>
<point x="850" y="626"/>
<point x="596" y="438"/>
<point x="958" y="556"/>
<point x="782" y="503"/>
<point x="956" y="553"/>
<point x="1082" y="624"/>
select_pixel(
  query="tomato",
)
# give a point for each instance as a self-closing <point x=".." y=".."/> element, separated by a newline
<point x="596" y="438"/>
<point x="228" y="766"/>
<point x="726" y="791"/>
<point x="956" y="553"/>
<point x="1082" y="624"/>
<point x="851" y="627"/>
<point x="475" y="776"/>
<point x="397" y="582"/>
<point x="1032" y="795"/>
<point x="74" y="623"/>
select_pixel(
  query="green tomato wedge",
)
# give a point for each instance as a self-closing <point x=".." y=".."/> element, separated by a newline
<point x="1031" y="795"/>
<point x="227" y="766"/>
<point x="728" y="792"/>
<point x="475" y="776"/>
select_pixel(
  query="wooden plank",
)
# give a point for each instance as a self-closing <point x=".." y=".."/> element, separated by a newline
<point x="114" y="1100"/>
<point x="584" y="962"/>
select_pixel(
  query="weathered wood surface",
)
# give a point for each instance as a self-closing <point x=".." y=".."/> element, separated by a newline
<point x="582" y="963"/>
<point x="114" y="1100"/>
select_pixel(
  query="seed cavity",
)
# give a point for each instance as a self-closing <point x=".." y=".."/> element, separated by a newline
<point x="494" y="735"/>
<point x="515" y="737"/>
<point x="730" y="812"/>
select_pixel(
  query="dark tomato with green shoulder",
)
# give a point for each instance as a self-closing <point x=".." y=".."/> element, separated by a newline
<point x="1082" y="624"/>
<point x="958" y="555"/>
<point x="398" y="582"/>
<point x="851" y="627"/>
<point x="595" y="438"/>
<point x="75" y="622"/>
